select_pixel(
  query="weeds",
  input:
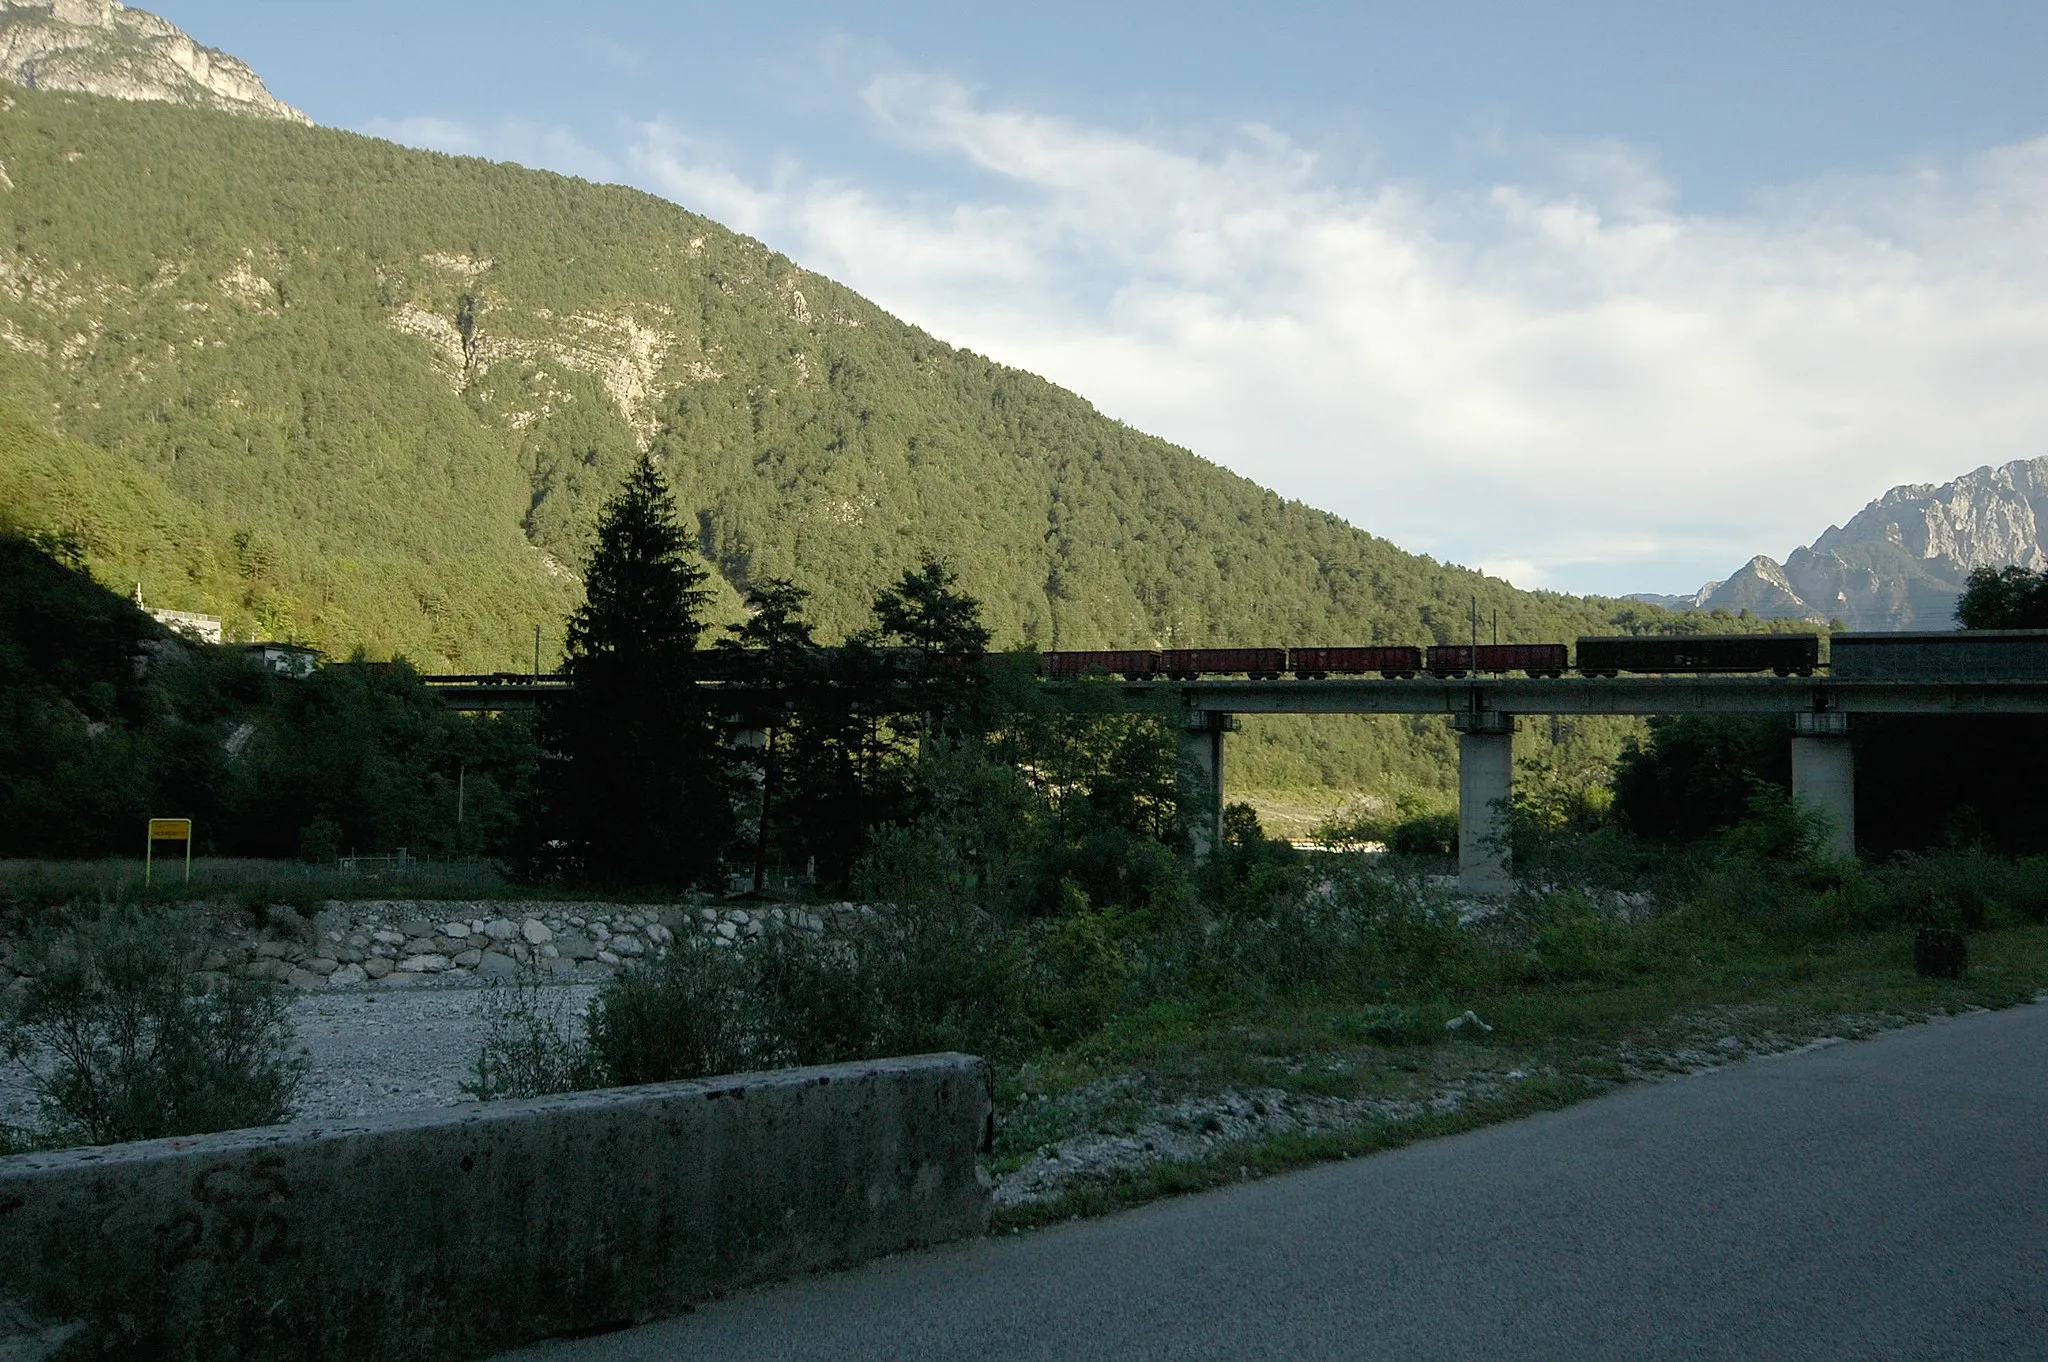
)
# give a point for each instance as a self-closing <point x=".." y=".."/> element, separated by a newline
<point x="121" y="1043"/>
<point x="529" y="1049"/>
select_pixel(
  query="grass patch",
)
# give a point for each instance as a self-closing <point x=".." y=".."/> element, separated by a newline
<point x="1550" y="1044"/>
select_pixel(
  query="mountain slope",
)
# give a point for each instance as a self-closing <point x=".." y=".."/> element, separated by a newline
<point x="372" y="397"/>
<point x="102" y="48"/>
<point x="1900" y="563"/>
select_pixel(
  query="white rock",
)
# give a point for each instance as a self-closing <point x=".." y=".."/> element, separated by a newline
<point x="755" y="928"/>
<point x="468" y="958"/>
<point x="627" y="945"/>
<point x="607" y="958"/>
<point x="388" y="937"/>
<point x="599" y="931"/>
<point x="575" y="922"/>
<point x="476" y="926"/>
<point x="550" y="951"/>
<point x="423" y="964"/>
<point x="536" y="932"/>
<point x="660" y="935"/>
<point x="455" y="930"/>
<point x="501" y="929"/>
<point x="726" y="931"/>
<point x="738" y="915"/>
<point x="495" y="966"/>
<point x="707" y="914"/>
<point x="346" y="975"/>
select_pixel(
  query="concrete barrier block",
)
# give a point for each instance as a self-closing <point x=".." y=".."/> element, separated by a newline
<point x="454" y="1232"/>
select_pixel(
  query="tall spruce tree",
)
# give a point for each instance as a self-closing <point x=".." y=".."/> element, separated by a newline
<point x="640" y="791"/>
<point x="927" y="611"/>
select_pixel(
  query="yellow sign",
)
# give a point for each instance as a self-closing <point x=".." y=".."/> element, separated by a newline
<point x="166" y="830"/>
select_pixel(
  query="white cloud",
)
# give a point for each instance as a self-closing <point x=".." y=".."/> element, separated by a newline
<point x="1564" y="374"/>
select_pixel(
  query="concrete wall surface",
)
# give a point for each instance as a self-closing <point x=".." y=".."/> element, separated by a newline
<point x="455" y="1232"/>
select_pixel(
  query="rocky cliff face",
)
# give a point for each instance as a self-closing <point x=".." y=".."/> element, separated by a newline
<point x="103" y="48"/>
<point x="1900" y="563"/>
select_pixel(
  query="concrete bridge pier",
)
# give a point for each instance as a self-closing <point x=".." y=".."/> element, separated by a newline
<point x="1824" y="776"/>
<point x="1486" y="774"/>
<point x="1201" y="768"/>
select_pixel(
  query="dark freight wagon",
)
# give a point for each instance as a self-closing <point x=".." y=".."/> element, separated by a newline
<point x="1185" y="664"/>
<point x="1962" y="655"/>
<point x="1389" y="660"/>
<point x="1537" y="659"/>
<point x="1784" y="654"/>
<point x="1131" y="664"/>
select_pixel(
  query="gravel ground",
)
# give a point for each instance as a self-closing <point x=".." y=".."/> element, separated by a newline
<point x="384" y="1049"/>
<point x="372" y="1049"/>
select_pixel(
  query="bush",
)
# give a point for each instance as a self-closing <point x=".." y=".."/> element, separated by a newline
<point x="1414" y="827"/>
<point x="691" y="1012"/>
<point x="528" y="1049"/>
<point x="123" y="1044"/>
<point x="1356" y="933"/>
<point x="1574" y="942"/>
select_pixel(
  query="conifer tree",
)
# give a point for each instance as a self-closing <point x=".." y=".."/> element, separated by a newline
<point x="639" y="791"/>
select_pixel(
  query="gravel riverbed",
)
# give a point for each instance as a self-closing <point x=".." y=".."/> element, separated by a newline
<point x="371" y="1049"/>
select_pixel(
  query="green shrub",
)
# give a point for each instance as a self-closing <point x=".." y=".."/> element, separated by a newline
<point x="123" y="1044"/>
<point x="819" y="1005"/>
<point x="1084" y="963"/>
<point x="1574" y="941"/>
<point x="528" y="1048"/>
<point x="693" y="1011"/>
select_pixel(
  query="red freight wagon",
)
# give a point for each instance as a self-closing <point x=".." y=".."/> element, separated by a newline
<point x="1185" y="664"/>
<point x="1134" y="665"/>
<point x="1537" y="659"/>
<point x="1389" y="660"/>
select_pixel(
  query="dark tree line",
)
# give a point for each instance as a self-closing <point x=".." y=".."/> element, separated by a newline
<point x="107" y="719"/>
<point x="907" y="760"/>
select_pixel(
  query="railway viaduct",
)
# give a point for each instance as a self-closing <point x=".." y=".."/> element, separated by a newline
<point x="1818" y="711"/>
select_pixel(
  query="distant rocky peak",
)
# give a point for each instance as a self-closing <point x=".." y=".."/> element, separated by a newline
<point x="1901" y="561"/>
<point x="1988" y="518"/>
<point x="100" y="47"/>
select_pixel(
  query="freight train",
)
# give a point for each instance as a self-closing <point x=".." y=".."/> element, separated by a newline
<point x="1689" y="654"/>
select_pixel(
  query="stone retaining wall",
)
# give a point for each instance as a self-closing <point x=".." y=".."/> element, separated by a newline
<point x="452" y="1234"/>
<point x="407" y="942"/>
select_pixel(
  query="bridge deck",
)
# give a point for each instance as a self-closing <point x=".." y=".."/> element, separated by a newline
<point x="1502" y="695"/>
<point x="1597" y="695"/>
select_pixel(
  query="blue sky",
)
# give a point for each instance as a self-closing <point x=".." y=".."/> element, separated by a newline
<point x="1606" y="297"/>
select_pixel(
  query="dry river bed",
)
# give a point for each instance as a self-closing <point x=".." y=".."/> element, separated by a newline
<point x="369" y="1049"/>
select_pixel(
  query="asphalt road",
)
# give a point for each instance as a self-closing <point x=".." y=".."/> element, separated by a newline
<point x="1887" y="1199"/>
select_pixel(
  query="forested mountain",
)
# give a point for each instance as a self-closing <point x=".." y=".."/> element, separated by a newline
<point x="370" y="397"/>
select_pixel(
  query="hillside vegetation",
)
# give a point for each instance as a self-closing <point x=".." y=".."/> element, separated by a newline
<point x="334" y="389"/>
